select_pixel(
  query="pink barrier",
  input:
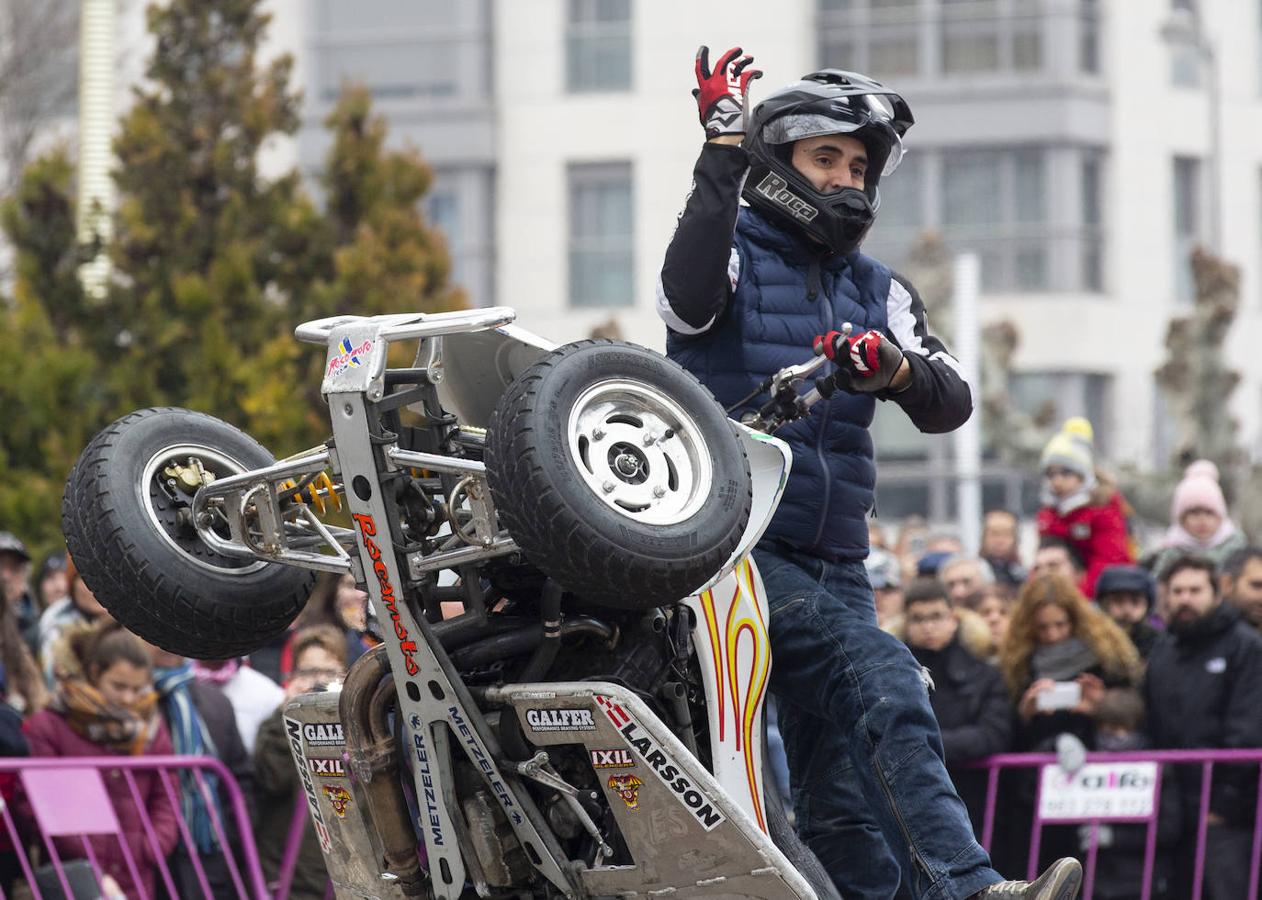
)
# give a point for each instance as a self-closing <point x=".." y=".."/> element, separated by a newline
<point x="1205" y="758"/>
<point x="67" y="798"/>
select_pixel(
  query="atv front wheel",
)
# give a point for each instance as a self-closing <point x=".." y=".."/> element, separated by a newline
<point x="618" y="474"/>
<point x="128" y="527"/>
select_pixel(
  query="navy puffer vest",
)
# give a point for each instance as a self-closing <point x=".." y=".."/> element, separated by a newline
<point x="785" y="297"/>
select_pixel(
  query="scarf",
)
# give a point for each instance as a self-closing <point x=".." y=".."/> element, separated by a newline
<point x="217" y="675"/>
<point x="1180" y="537"/>
<point x="1067" y="504"/>
<point x="123" y="729"/>
<point x="190" y="738"/>
<point x="1063" y="661"/>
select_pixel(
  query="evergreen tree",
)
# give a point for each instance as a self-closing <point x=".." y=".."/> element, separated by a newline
<point x="51" y="400"/>
<point x="214" y="265"/>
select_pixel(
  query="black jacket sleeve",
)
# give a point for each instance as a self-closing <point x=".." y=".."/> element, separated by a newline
<point x="939" y="399"/>
<point x="1235" y="788"/>
<point x="990" y="731"/>
<point x="697" y="276"/>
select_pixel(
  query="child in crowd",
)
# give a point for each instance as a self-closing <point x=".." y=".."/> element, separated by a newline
<point x="1077" y="508"/>
<point x="1198" y="520"/>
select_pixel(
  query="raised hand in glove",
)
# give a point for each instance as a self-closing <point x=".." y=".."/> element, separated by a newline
<point x="866" y="362"/>
<point x="723" y="94"/>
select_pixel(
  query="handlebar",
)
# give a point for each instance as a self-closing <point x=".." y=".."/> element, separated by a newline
<point x="786" y="404"/>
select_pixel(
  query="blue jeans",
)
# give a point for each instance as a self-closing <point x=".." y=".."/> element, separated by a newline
<point x="870" y="789"/>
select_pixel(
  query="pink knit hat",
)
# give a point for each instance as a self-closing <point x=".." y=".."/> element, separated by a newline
<point x="1198" y="490"/>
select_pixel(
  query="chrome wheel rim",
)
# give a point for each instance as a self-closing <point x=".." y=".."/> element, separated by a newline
<point x="640" y="452"/>
<point x="162" y="506"/>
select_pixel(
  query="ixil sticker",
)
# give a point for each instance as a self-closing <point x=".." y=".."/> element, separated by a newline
<point x="326" y="768"/>
<point x="339" y="798"/>
<point x="628" y="788"/>
<point x="560" y="720"/>
<point x="612" y="759"/>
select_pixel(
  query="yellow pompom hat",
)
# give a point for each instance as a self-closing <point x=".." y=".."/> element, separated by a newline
<point x="1072" y="448"/>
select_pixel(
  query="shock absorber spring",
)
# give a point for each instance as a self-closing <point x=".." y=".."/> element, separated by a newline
<point x="319" y="489"/>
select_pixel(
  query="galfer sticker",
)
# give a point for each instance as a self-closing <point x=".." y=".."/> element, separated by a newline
<point x="560" y="720"/>
<point x="351" y="357"/>
<point x="318" y="735"/>
<point x="294" y="729"/>
<point x="432" y="809"/>
<point x="670" y="773"/>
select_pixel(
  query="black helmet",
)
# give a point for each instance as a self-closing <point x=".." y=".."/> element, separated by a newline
<point x="826" y="102"/>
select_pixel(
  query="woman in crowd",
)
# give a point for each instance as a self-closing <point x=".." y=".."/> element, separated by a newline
<point x="105" y="706"/>
<point x="1056" y="638"/>
<point x="1059" y="657"/>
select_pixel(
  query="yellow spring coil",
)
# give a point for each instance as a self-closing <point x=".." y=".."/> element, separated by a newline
<point x="320" y="488"/>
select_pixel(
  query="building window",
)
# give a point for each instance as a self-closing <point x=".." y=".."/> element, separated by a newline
<point x="934" y="38"/>
<point x="598" y="45"/>
<point x="1054" y="396"/>
<point x="601" y="243"/>
<point x="399" y="71"/>
<point x="1187" y="223"/>
<point x="994" y="202"/>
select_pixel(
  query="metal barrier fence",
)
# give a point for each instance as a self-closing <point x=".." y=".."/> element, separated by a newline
<point x="65" y="806"/>
<point x="1117" y="788"/>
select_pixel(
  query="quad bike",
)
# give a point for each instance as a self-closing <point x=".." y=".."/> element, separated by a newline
<point x="578" y="729"/>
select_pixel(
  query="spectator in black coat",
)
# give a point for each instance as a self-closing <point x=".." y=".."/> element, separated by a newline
<point x="968" y="699"/>
<point x="1202" y="689"/>
<point x="1126" y="594"/>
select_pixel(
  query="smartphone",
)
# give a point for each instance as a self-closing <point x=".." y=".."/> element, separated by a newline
<point x="1062" y="695"/>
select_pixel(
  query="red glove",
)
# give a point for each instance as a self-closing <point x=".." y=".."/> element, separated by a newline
<point x="866" y="362"/>
<point x="722" y="95"/>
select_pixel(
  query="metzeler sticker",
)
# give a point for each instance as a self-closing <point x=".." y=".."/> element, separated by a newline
<point x="612" y="759"/>
<point x="339" y="798"/>
<point x="294" y="729"/>
<point x="326" y="768"/>
<point x="560" y="720"/>
<point x="667" y="770"/>
<point x="322" y="735"/>
<point x="628" y="788"/>
<point x="427" y="782"/>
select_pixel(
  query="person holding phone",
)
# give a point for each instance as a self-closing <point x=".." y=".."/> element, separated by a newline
<point x="1059" y="656"/>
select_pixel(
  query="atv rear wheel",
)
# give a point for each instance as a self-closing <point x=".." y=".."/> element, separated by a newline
<point x="128" y="527"/>
<point x="618" y="474"/>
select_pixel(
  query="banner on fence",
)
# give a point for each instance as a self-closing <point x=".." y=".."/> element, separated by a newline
<point x="1113" y="791"/>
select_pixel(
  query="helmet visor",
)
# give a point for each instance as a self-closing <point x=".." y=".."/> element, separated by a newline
<point x="844" y="115"/>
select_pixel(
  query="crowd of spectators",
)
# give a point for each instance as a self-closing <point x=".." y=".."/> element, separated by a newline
<point x="1100" y="644"/>
<point x="73" y="682"/>
<point x="1087" y="641"/>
